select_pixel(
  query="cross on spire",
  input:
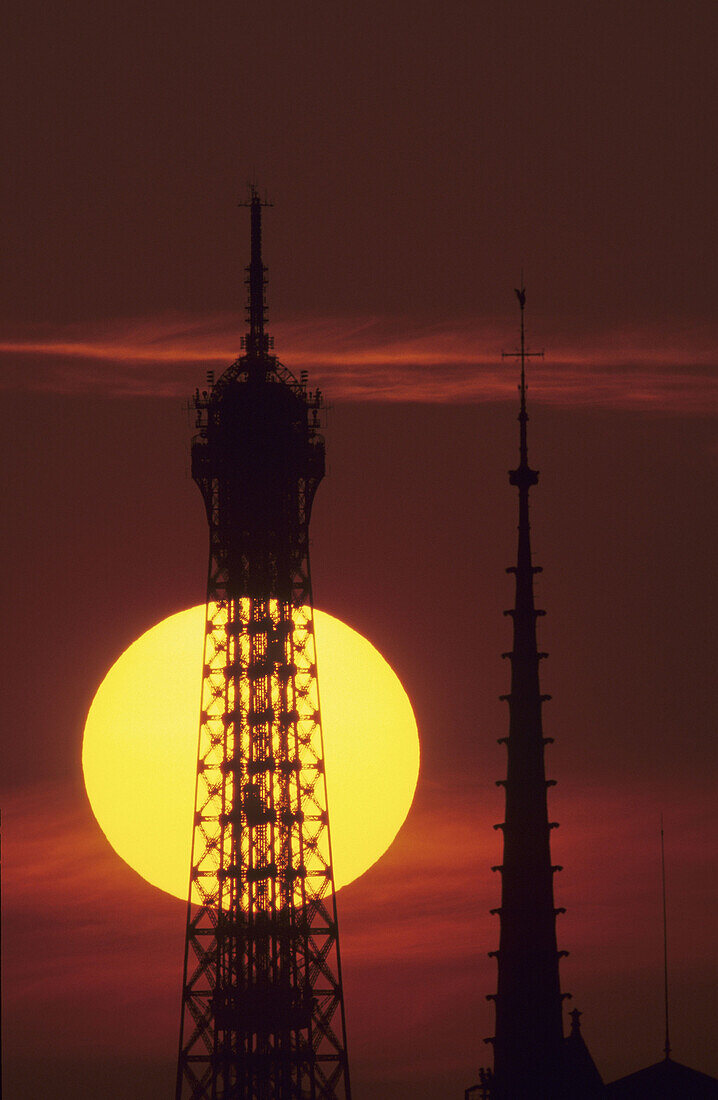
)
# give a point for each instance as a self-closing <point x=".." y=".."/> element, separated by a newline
<point x="522" y="354"/>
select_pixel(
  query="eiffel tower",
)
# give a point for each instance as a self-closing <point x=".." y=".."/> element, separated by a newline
<point x="262" y="1002"/>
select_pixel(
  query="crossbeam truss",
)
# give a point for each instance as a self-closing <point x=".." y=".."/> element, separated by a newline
<point x="261" y="988"/>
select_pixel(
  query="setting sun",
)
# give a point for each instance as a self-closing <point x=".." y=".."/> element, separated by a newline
<point x="140" y="748"/>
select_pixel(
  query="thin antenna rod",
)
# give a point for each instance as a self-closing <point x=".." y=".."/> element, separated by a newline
<point x="667" y="1044"/>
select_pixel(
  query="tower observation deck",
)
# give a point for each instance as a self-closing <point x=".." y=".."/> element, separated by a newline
<point x="262" y="1003"/>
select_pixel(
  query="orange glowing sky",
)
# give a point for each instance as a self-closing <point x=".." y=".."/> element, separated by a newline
<point x="418" y="155"/>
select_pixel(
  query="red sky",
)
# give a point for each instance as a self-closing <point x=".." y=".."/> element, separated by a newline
<point x="418" y="155"/>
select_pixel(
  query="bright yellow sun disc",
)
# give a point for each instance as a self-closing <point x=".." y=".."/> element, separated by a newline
<point x="139" y="753"/>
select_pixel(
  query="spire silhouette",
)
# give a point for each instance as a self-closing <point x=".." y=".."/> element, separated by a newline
<point x="528" y="1044"/>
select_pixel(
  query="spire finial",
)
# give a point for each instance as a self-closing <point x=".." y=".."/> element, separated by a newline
<point x="257" y="344"/>
<point x="521" y="295"/>
<point x="667" y="1043"/>
<point x="522" y="354"/>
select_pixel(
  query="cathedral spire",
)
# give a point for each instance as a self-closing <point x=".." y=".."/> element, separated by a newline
<point x="528" y="1044"/>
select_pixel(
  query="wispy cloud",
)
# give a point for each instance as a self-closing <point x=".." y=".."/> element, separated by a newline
<point x="373" y="359"/>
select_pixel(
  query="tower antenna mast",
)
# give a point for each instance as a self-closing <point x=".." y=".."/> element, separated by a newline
<point x="255" y="342"/>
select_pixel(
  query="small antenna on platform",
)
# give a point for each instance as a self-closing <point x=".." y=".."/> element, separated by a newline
<point x="667" y="1044"/>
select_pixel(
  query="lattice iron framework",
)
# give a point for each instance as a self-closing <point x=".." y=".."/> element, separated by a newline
<point x="262" y="1004"/>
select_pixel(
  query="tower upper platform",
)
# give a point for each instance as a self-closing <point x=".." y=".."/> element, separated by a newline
<point x="258" y="456"/>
